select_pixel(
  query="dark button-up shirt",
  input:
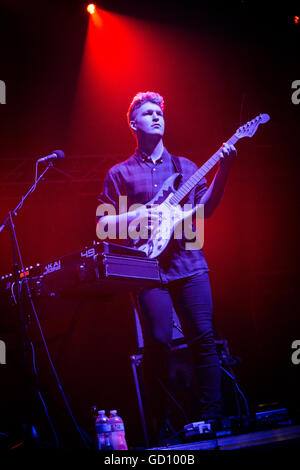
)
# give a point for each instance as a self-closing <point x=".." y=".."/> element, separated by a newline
<point x="140" y="179"/>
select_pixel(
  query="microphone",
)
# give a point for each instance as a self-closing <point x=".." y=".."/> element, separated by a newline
<point x="55" y="155"/>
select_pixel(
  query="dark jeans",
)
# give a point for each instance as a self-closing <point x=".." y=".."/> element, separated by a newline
<point x="191" y="298"/>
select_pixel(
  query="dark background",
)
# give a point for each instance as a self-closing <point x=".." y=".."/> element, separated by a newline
<point x="68" y="86"/>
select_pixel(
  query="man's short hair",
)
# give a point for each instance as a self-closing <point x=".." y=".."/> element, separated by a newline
<point x="144" y="97"/>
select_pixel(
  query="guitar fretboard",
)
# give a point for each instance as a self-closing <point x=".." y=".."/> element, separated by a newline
<point x="187" y="187"/>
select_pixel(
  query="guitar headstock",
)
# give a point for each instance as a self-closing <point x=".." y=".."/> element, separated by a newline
<point x="249" y="129"/>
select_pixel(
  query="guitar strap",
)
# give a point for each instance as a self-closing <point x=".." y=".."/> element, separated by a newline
<point x="176" y="164"/>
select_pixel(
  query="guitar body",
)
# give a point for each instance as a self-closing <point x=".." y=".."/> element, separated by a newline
<point x="169" y="217"/>
<point x="167" y="189"/>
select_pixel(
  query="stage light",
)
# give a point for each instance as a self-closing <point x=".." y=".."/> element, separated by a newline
<point x="296" y="19"/>
<point x="91" y="8"/>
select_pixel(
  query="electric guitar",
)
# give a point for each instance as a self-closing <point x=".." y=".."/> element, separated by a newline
<point x="167" y="200"/>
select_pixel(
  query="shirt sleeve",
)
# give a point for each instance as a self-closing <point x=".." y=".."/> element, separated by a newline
<point x="200" y="190"/>
<point x="110" y="192"/>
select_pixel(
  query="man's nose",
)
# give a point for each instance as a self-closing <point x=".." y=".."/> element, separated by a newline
<point x="155" y="117"/>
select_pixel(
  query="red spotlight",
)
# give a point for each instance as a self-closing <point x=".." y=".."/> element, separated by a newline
<point x="296" y="19"/>
<point x="91" y="8"/>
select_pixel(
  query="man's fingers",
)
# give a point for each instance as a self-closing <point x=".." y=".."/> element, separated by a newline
<point x="227" y="150"/>
<point x="232" y="148"/>
<point x="153" y="214"/>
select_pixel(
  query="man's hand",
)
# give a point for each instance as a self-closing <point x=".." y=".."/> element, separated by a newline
<point x="214" y="193"/>
<point x="146" y="222"/>
<point x="228" y="154"/>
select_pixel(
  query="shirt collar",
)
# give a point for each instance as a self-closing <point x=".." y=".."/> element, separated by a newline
<point x="142" y="156"/>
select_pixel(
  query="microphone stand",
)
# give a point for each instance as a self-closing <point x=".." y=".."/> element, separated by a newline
<point x="7" y="221"/>
<point x="9" y="224"/>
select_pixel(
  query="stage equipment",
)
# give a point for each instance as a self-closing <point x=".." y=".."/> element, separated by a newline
<point x="94" y="270"/>
<point x="91" y="8"/>
<point x="25" y="316"/>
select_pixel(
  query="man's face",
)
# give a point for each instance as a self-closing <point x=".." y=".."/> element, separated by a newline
<point x="148" y="119"/>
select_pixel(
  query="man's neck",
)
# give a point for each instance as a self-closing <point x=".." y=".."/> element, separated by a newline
<point x="154" y="150"/>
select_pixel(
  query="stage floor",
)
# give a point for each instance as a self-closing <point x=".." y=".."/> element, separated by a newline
<point x="280" y="437"/>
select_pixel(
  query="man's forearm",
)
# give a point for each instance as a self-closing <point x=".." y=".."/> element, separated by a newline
<point x="214" y="194"/>
<point x="115" y="224"/>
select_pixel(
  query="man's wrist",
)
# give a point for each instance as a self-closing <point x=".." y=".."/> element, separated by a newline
<point x="224" y="169"/>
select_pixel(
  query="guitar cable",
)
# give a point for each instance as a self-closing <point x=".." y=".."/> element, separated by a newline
<point x="230" y="375"/>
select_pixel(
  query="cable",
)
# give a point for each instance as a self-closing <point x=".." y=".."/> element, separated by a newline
<point x="172" y="398"/>
<point x="45" y="345"/>
<point x="56" y="375"/>
<point x="238" y="388"/>
<point x="32" y="188"/>
<point x="41" y="398"/>
<point x="226" y="372"/>
<point x="12" y="292"/>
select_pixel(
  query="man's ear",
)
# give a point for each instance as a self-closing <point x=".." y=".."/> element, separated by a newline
<point x="133" y="126"/>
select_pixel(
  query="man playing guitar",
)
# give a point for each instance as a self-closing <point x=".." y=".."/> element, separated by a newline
<point x="185" y="279"/>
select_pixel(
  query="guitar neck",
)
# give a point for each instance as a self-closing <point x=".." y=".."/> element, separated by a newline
<point x="187" y="187"/>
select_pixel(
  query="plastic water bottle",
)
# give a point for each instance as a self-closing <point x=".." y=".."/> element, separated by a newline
<point x="117" y="431"/>
<point x="103" y="431"/>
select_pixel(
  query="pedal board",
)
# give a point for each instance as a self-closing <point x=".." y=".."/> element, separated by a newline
<point x="199" y="427"/>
